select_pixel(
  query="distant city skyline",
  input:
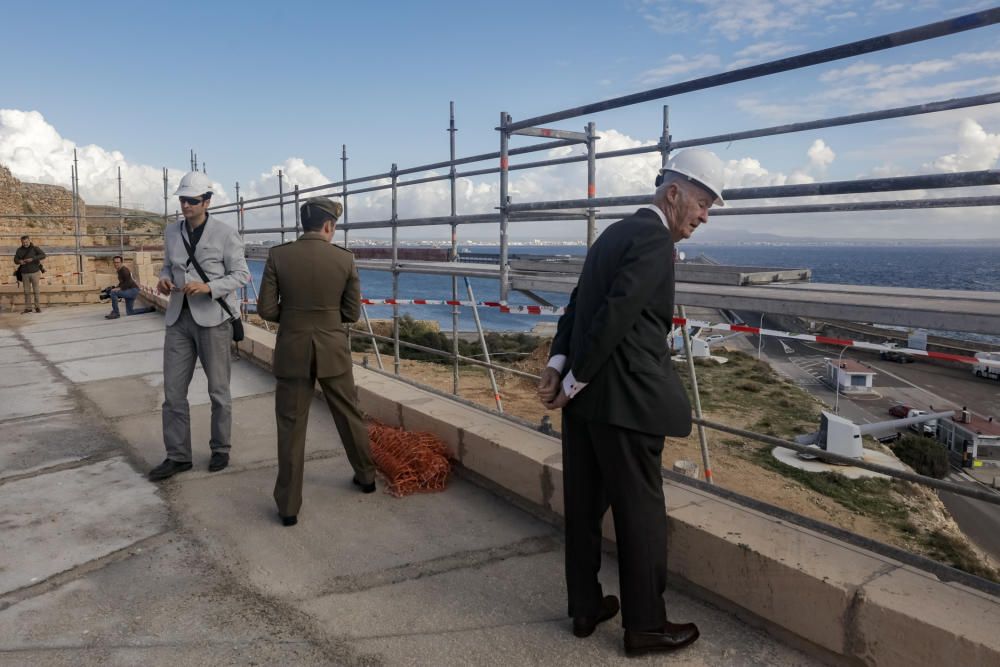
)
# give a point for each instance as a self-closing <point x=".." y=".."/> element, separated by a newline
<point x="256" y="88"/>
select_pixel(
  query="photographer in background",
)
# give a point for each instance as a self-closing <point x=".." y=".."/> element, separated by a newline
<point x="127" y="289"/>
<point x="29" y="271"/>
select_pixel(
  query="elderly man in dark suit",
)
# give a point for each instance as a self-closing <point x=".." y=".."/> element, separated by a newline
<point x="610" y="371"/>
<point x="311" y="288"/>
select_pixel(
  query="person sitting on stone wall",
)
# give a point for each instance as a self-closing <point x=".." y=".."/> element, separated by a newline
<point x="127" y="289"/>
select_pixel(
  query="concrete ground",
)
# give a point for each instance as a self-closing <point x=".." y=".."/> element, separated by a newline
<point x="99" y="566"/>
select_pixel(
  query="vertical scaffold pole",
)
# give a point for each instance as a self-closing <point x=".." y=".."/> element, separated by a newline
<point x="482" y="342"/>
<point x="505" y="120"/>
<point x="76" y="199"/>
<point x="241" y="225"/>
<point x="343" y="187"/>
<point x="665" y="137"/>
<point x="121" y="218"/>
<point x="166" y="211"/>
<point x="591" y="182"/>
<point x="298" y="221"/>
<point x="395" y="272"/>
<point x="281" y="204"/>
<point x="454" y="255"/>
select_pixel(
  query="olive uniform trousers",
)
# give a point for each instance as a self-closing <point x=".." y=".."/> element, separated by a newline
<point x="293" y="397"/>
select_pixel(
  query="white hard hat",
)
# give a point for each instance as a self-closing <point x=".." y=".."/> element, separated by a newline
<point x="194" y="184"/>
<point x="701" y="167"/>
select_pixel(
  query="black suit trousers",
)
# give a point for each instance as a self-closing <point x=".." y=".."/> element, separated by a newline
<point x="608" y="466"/>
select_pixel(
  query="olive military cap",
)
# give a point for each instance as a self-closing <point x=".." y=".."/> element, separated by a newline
<point x="318" y="208"/>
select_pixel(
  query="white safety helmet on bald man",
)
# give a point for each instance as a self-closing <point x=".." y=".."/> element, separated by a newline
<point x="195" y="184"/>
<point x="701" y="167"/>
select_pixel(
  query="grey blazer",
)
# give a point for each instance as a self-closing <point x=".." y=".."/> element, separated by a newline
<point x="220" y="254"/>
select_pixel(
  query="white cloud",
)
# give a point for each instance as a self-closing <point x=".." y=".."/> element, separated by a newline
<point x="680" y="64"/>
<point x="35" y="152"/>
<point x="977" y="150"/>
<point x="843" y="16"/>
<point x="820" y="155"/>
<point x="734" y="19"/>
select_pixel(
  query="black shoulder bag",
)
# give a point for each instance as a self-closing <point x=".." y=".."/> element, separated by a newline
<point x="233" y="319"/>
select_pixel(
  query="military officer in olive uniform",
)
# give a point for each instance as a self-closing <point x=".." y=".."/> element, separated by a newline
<point x="311" y="288"/>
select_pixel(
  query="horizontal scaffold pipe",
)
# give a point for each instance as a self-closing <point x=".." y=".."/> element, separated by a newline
<point x="549" y="145"/>
<point x="972" y="21"/>
<point x="863" y="186"/>
<point x="829" y="457"/>
<point x="894" y="205"/>
<point x="899" y="112"/>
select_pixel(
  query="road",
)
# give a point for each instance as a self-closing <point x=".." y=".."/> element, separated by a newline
<point x="921" y="385"/>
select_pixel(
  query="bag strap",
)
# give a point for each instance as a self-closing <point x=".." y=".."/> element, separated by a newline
<point x="201" y="271"/>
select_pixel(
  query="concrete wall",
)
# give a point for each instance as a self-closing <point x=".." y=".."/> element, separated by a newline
<point x="847" y="604"/>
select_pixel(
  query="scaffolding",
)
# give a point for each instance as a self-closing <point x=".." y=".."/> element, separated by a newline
<point x="970" y="312"/>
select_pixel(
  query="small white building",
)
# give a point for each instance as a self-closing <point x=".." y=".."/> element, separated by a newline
<point x="972" y="441"/>
<point x="849" y="376"/>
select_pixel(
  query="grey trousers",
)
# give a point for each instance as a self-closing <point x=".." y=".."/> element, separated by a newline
<point x="184" y="345"/>
<point x="31" y="282"/>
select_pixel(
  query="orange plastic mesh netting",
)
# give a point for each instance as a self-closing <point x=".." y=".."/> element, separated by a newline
<point x="411" y="462"/>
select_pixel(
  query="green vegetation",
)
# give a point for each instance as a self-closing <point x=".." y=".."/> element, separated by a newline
<point x="925" y="455"/>
<point x="752" y="393"/>
<point x="503" y="348"/>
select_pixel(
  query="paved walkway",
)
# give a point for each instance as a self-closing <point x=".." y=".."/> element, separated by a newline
<point x="98" y="566"/>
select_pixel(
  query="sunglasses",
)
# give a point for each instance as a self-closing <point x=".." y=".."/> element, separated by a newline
<point x="191" y="201"/>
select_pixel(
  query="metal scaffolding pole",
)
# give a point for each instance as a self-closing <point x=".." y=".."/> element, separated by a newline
<point x="371" y="332"/>
<point x="281" y="204"/>
<point x="395" y="272"/>
<point x="298" y="221"/>
<point x="76" y="212"/>
<point x="591" y="182"/>
<point x="486" y="351"/>
<point x="165" y="210"/>
<point x="665" y="137"/>
<point x="343" y="189"/>
<point x="121" y="218"/>
<point x="504" y="203"/>
<point x="702" y="435"/>
<point x="861" y="47"/>
<point x="454" y="252"/>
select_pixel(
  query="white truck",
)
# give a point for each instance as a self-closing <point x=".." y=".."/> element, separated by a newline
<point x="988" y="365"/>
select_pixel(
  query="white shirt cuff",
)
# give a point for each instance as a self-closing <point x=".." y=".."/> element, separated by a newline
<point x="571" y="387"/>
<point x="558" y="362"/>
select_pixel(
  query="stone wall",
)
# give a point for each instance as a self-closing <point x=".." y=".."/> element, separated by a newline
<point x="17" y="197"/>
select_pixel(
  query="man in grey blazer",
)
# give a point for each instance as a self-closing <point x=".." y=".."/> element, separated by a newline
<point x="198" y="327"/>
<point x="610" y="372"/>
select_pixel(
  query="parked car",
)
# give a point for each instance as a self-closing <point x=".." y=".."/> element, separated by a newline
<point x="894" y="355"/>
<point x="928" y="428"/>
<point x="900" y="411"/>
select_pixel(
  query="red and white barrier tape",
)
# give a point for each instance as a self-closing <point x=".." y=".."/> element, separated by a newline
<point x="715" y="326"/>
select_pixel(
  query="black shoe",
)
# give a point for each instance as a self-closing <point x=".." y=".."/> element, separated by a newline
<point x="672" y="637"/>
<point x="26" y="311"/>
<point x="112" y="316"/>
<point x="168" y="468"/>
<point x="584" y="626"/>
<point x="289" y="520"/>
<point x="218" y="461"/>
<point x="37" y="309"/>
<point x="365" y="488"/>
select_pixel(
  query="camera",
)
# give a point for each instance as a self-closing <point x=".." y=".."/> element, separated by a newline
<point x="105" y="294"/>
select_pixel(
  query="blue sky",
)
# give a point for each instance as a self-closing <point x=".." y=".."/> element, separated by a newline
<point x="254" y="87"/>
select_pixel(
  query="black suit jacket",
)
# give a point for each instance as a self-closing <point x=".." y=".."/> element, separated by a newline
<point x="614" y="332"/>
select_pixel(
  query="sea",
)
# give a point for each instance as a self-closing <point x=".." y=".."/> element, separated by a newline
<point x="921" y="266"/>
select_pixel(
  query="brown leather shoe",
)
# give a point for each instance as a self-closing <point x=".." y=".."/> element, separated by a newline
<point x="673" y="637"/>
<point x="584" y="626"/>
